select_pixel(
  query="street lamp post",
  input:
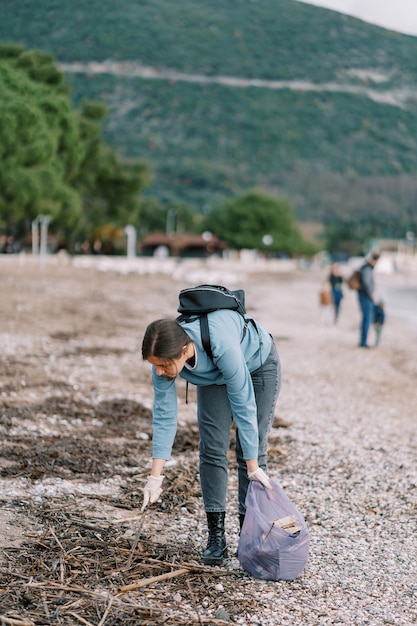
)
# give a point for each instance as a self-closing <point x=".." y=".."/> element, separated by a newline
<point x="44" y="219"/>
<point x="40" y="234"/>
<point x="35" y="235"/>
<point x="170" y="226"/>
<point x="267" y="241"/>
<point x="131" y="240"/>
<point x="411" y="240"/>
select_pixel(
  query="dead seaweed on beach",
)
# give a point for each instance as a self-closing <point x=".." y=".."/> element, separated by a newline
<point x="88" y="572"/>
<point x="86" y="568"/>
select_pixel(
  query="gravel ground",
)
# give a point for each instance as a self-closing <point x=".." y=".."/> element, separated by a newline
<point x="344" y="445"/>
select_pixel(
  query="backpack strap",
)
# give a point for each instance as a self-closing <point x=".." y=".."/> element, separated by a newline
<point x="204" y="330"/>
<point x="205" y="335"/>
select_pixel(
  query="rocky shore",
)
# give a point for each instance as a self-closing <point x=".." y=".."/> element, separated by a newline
<point x="75" y="429"/>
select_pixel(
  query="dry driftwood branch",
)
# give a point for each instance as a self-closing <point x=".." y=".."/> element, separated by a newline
<point x="194" y="602"/>
<point x="51" y="530"/>
<point x="80" y="619"/>
<point x="106" y="612"/>
<point x="124" y="520"/>
<point x="12" y="621"/>
<point x="136" y="541"/>
<point x="68" y="588"/>
<point x="153" y="579"/>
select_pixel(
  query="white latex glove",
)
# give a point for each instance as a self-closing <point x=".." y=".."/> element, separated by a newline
<point x="261" y="477"/>
<point x="152" y="490"/>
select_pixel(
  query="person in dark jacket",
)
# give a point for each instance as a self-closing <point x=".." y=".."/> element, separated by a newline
<point x="366" y="296"/>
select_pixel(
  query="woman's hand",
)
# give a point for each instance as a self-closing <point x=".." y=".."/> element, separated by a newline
<point x="256" y="473"/>
<point x="152" y="490"/>
<point x="260" y="476"/>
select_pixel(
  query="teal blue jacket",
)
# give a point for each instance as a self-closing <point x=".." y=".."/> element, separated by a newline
<point x="234" y="359"/>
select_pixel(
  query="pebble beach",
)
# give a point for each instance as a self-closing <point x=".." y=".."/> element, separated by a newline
<point x="350" y="462"/>
<point x="344" y="446"/>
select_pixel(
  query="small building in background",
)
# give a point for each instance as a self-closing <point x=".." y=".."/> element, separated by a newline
<point x="181" y="245"/>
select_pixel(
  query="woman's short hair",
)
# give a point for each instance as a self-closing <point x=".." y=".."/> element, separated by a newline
<point x="164" y="339"/>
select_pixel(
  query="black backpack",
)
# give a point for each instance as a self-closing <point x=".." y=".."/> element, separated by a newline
<point x="203" y="299"/>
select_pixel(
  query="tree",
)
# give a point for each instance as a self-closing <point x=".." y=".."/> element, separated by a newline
<point x="156" y="217"/>
<point x="109" y="186"/>
<point x="52" y="158"/>
<point x="257" y="221"/>
<point x="153" y="216"/>
<point x="182" y="217"/>
<point x="40" y="144"/>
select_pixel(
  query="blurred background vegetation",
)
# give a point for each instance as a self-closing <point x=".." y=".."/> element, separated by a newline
<point x="101" y="147"/>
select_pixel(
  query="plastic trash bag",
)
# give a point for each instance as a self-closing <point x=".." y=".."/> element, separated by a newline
<point x="265" y="549"/>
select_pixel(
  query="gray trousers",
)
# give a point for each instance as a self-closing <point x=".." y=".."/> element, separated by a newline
<point x="215" y="421"/>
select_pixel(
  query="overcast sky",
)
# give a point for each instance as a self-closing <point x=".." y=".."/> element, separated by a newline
<point x="399" y="15"/>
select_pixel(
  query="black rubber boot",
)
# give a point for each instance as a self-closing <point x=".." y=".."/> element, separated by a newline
<point x="241" y="520"/>
<point x="216" y="545"/>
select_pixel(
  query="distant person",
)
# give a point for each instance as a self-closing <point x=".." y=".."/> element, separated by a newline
<point x="336" y="281"/>
<point x="326" y="303"/>
<point x="379" y="319"/>
<point x="9" y="246"/>
<point x="366" y="296"/>
<point x="97" y="247"/>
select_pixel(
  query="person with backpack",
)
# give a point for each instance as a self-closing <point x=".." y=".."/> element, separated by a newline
<point x="366" y="297"/>
<point x="238" y="379"/>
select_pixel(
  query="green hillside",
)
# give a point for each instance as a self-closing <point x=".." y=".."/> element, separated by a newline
<point x="336" y="154"/>
<point x="275" y="39"/>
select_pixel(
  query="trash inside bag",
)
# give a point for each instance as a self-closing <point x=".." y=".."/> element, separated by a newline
<point x="274" y="540"/>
